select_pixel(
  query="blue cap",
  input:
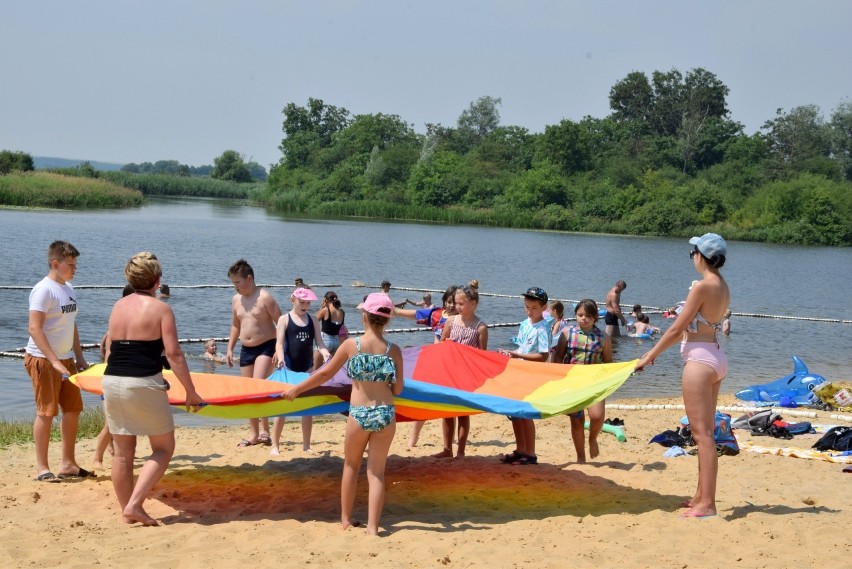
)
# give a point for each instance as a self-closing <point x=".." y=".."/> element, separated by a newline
<point x="710" y="245"/>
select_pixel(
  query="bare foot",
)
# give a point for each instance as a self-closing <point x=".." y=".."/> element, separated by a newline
<point x="446" y="453"/>
<point x="594" y="449"/>
<point x="685" y="504"/>
<point x="373" y="531"/>
<point x="98" y="464"/>
<point x="699" y="513"/>
<point x="274" y="451"/>
<point x="345" y="525"/>
<point x="581" y="460"/>
<point x="138" y="515"/>
<point x="309" y="450"/>
<point x="460" y="454"/>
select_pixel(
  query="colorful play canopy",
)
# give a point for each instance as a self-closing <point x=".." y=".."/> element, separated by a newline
<point x="441" y="380"/>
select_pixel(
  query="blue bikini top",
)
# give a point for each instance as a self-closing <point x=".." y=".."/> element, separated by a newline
<point x="371" y="367"/>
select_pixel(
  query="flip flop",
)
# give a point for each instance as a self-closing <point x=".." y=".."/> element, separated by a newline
<point x="247" y="443"/>
<point x="264" y="439"/>
<point x="684" y="516"/>
<point x="81" y="473"/>
<point x="47" y="477"/>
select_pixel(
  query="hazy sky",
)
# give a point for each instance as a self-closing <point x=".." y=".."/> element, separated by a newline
<point x="134" y="81"/>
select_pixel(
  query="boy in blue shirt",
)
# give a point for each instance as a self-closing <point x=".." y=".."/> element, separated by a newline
<point x="534" y="337"/>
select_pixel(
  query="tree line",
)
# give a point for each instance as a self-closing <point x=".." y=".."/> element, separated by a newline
<point x="667" y="160"/>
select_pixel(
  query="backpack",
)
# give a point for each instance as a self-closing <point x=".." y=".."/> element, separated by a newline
<point x="836" y="438"/>
<point x="723" y="435"/>
<point x="760" y="421"/>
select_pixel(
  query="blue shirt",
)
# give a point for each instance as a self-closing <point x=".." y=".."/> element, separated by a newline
<point x="534" y="338"/>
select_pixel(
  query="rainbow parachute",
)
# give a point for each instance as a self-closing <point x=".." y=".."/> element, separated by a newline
<point x="441" y="380"/>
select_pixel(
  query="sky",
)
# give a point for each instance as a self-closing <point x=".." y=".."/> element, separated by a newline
<point x="141" y="81"/>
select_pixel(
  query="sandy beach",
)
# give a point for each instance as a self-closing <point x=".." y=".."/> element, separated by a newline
<point x="223" y="506"/>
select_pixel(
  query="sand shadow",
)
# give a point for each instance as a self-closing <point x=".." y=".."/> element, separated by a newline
<point x="740" y="512"/>
<point x="427" y="493"/>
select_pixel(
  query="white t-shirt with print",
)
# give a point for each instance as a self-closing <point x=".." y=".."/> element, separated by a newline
<point x="59" y="303"/>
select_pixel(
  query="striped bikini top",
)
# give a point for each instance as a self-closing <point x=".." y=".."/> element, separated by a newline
<point x="371" y="367"/>
<point x="584" y="348"/>
<point x="469" y="336"/>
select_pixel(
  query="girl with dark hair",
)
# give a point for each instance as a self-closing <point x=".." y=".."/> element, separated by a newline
<point x="704" y="362"/>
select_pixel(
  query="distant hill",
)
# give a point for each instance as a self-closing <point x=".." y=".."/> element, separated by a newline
<point x="48" y="163"/>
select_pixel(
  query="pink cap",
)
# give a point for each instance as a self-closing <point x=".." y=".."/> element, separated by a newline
<point x="377" y="303"/>
<point x="304" y="294"/>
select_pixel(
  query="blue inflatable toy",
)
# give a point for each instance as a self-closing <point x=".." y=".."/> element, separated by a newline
<point x="789" y="391"/>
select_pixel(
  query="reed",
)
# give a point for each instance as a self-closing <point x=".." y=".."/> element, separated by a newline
<point x="20" y="431"/>
<point x="46" y="189"/>
<point x="171" y="185"/>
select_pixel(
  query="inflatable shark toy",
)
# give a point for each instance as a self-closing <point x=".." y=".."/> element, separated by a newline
<point x="789" y="391"/>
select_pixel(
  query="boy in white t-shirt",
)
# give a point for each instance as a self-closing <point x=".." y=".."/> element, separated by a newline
<point x="53" y="353"/>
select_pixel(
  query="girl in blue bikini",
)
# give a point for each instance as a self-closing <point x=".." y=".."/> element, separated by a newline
<point x="375" y="367"/>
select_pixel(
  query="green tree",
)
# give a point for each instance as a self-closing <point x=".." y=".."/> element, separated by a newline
<point x="536" y="188"/>
<point x="841" y="127"/>
<point x="439" y="181"/>
<point x="509" y="147"/>
<point x="800" y="141"/>
<point x="230" y="166"/>
<point x="257" y="171"/>
<point x="567" y="145"/>
<point x="632" y="98"/>
<point x="475" y="123"/>
<point x="307" y="129"/>
<point x="19" y="161"/>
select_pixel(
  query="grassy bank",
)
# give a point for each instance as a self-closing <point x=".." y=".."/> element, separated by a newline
<point x="45" y="189"/>
<point x="17" y="431"/>
<point x="170" y="185"/>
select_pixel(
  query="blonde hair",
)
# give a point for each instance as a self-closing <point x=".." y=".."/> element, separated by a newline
<point x="142" y="271"/>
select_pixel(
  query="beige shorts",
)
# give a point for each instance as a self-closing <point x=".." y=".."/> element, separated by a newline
<point x="137" y="405"/>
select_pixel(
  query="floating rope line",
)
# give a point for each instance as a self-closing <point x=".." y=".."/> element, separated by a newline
<point x="645" y="309"/>
<point x="20" y="352"/>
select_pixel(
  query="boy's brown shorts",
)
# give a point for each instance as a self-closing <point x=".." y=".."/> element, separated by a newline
<point x="51" y="393"/>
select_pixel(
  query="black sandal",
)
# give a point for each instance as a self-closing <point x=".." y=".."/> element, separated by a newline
<point x="526" y="460"/>
<point x="511" y="457"/>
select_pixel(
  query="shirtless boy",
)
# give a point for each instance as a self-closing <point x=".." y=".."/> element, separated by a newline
<point x="254" y="314"/>
<point x="613" y="309"/>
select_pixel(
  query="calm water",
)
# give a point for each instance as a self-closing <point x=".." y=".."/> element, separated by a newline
<point x="197" y="240"/>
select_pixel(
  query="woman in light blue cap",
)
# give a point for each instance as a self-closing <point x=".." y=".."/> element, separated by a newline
<point x="705" y="364"/>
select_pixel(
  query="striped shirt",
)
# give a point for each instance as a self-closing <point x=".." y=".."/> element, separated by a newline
<point x="469" y="336"/>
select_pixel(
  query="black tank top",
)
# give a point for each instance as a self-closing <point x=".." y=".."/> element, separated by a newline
<point x="135" y="358"/>
<point x="330" y="327"/>
<point x="299" y="355"/>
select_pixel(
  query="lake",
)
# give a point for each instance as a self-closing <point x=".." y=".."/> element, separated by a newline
<point x="198" y="239"/>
